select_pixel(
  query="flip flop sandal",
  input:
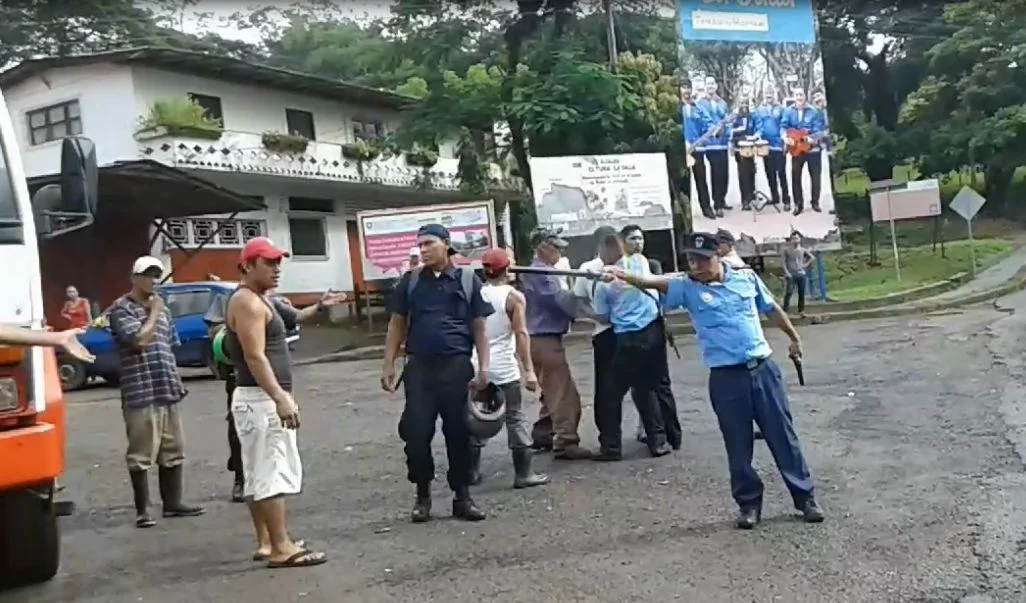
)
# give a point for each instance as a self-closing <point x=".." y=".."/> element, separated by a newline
<point x="264" y="557"/>
<point x="300" y="559"/>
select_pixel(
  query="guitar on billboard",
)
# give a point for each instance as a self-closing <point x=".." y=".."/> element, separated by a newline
<point x="802" y="142"/>
<point x="713" y="132"/>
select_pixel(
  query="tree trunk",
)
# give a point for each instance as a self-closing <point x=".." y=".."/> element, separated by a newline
<point x="998" y="181"/>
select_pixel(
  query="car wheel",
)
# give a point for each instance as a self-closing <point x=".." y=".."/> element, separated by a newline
<point x="73" y="373"/>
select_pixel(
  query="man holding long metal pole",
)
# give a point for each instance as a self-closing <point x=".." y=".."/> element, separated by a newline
<point x="550" y="310"/>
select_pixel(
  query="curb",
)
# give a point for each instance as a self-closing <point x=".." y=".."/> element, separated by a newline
<point x="686" y="328"/>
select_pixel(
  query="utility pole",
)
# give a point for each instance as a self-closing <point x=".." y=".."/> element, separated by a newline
<point x="610" y="33"/>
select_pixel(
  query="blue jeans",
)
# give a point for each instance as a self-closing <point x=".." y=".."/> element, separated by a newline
<point x="740" y="395"/>
<point x="795" y="283"/>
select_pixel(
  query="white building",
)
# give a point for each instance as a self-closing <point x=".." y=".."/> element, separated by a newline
<point x="306" y="201"/>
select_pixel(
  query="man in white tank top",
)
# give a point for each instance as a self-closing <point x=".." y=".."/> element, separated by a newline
<point x="509" y="350"/>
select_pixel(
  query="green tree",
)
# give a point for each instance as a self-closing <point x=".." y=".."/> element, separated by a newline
<point x="971" y="108"/>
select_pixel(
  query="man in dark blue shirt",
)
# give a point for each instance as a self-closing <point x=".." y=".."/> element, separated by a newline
<point x="441" y="323"/>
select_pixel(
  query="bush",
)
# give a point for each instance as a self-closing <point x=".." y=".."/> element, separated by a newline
<point x="180" y="117"/>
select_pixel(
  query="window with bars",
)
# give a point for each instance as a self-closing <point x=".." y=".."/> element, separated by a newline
<point x="54" y="122"/>
<point x="368" y="130"/>
<point x="192" y="232"/>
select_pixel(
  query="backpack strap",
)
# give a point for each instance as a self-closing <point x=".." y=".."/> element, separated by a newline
<point x="411" y="282"/>
<point x="467" y="281"/>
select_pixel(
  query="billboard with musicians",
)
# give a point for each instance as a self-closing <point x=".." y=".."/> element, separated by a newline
<point x="754" y="122"/>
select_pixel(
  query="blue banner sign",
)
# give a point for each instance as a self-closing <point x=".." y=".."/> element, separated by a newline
<point x="747" y="21"/>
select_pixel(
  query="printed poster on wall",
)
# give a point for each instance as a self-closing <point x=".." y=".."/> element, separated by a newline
<point x="577" y="194"/>
<point x="754" y="115"/>
<point x="387" y="237"/>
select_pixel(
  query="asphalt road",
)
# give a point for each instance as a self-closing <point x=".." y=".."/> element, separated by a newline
<point x="914" y="429"/>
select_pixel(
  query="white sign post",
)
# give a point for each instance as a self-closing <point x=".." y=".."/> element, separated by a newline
<point x="967" y="203"/>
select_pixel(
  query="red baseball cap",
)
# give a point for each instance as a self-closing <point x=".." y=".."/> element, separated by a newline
<point x="495" y="259"/>
<point x="262" y="248"/>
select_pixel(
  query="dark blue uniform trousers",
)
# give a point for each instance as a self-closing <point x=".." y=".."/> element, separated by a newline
<point x="740" y="395"/>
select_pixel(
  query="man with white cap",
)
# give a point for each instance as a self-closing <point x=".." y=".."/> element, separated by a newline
<point x="151" y="390"/>
<point x="414" y="258"/>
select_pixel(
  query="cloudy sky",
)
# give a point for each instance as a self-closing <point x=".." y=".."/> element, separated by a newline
<point x="221" y="10"/>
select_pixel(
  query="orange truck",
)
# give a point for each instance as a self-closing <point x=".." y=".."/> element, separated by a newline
<point x="31" y="401"/>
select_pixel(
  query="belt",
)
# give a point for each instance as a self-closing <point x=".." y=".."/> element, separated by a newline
<point x="750" y="365"/>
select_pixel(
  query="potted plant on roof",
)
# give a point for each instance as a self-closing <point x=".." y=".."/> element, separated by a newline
<point x="178" y="117"/>
<point x="421" y="157"/>
<point x="360" y="150"/>
<point x="293" y="144"/>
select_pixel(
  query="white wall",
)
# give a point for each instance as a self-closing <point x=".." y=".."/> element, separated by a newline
<point x="112" y="98"/>
<point x="300" y="275"/>
<point x="250" y="109"/>
<point x="107" y="104"/>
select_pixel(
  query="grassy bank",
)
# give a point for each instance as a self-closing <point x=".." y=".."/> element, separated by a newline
<point x="851" y="278"/>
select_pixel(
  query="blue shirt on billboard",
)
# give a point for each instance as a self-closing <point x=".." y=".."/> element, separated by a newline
<point x="767" y="125"/>
<point x="747" y="21"/>
<point x="692" y="123"/>
<point x="807" y="118"/>
<point x="743" y="126"/>
<point x="715" y="110"/>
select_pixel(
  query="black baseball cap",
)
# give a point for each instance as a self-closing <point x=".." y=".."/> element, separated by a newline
<point x="439" y="232"/>
<point x="724" y="236"/>
<point x="701" y="243"/>
<point x="542" y="236"/>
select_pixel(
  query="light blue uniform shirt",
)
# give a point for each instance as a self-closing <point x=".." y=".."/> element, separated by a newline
<point x="725" y="315"/>
<point x="629" y="309"/>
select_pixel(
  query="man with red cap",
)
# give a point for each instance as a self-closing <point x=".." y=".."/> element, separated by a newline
<point x="509" y="350"/>
<point x="265" y="414"/>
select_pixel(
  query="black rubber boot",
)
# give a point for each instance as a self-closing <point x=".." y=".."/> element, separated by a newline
<point x="475" y="466"/>
<point x="141" y="494"/>
<point x="172" y="481"/>
<point x="525" y="477"/>
<point x="464" y="507"/>
<point x="422" y="506"/>
<point x="239" y="488"/>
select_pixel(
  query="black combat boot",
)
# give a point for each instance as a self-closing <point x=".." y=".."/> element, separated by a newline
<point x="748" y="518"/>
<point x="422" y="506"/>
<point x="475" y="466"/>
<point x="464" y="507"/>
<point x="141" y="494"/>
<point x="172" y="482"/>
<point x="524" y="476"/>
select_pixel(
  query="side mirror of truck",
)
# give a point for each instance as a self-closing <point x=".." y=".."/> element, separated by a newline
<point x="70" y="205"/>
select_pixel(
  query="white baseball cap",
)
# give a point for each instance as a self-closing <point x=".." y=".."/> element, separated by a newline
<point x="145" y="263"/>
<point x="415" y="252"/>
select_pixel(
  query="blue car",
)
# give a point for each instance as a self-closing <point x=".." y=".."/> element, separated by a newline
<point x="188" y="303"/>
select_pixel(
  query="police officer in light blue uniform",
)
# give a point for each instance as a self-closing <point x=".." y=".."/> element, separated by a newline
<point x="716" y="149"/>
<point x="767" y="118"/>
<point x="745" y="384"/>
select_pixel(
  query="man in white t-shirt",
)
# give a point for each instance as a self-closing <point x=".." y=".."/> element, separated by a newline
<point x="509" y="352"/>
<point x="725" y="249"/>
<point x="603" y="341"/>
<point x="563" y="264"/>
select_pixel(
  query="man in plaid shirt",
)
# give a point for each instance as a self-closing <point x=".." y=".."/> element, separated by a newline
<point x="151" y="390"/>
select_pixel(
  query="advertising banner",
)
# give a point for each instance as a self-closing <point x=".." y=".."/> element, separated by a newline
<point x="388" y="236"/>
<point x="577" y="194"/>
<point x="754" y="115"/>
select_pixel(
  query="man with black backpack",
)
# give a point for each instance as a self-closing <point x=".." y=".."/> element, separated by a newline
<point x="439" y="312"/>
